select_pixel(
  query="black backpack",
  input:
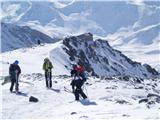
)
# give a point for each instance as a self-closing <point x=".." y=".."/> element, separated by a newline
<point x="77" y="83"/>
<point x="74" y="73"/>
<point x="33" y="99"/>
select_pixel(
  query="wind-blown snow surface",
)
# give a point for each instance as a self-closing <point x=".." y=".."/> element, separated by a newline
<point x="108" y="99"/>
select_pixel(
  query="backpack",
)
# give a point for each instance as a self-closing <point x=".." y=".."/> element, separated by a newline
<point x="74" y="73"/>
<point x="33" y="99"/>
<point x="77" y="83"/>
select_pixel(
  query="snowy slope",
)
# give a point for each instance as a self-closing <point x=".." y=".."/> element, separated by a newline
<point x="14" y="37"/>
<point x="31" y="59"/>
<point x="108" y="99"/>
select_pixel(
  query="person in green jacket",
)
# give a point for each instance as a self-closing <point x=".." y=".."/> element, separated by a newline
<point x="47" y="67"/>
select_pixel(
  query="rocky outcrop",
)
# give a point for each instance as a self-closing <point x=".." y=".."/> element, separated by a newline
<point x="100" y="59"/>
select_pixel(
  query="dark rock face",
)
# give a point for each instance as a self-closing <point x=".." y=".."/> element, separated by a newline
<point x="100" y="59"/>
<point x="153" y="95"/>
<point x="151" y="70"/>
<point x="73" y="113"/>
<point x="123" y="102"/>
<point x="143" y="100"/>
<point x="150" y="100"/>
<point x="74" y="53"/>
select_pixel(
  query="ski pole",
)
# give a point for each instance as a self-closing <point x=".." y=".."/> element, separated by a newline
<point x="86" y="90"/>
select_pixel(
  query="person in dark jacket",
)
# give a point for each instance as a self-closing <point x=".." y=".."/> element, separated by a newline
<point x="14" y="72"/>
<point x="77" y="84"/>
<point x="47" y="67"/>
<point x="38" y="42"/>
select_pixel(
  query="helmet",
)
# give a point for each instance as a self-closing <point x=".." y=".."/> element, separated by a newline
<point x="16" y="62"/>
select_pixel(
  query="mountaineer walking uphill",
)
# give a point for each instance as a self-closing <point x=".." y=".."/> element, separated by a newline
<point x="80" y="71"/>
<point x="47" y="67"/>
<point x="77" y="82"/>
<point x="14" y="72"/>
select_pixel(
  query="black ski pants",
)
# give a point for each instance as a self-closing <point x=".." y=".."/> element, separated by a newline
<point x="48" y="77"/>
<point x="78" y="92"/>
<point x="13" y="81"/>
<point x="76" y="87"/>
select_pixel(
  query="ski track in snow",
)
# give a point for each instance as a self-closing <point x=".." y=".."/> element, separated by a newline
<point x="59" y="104"/>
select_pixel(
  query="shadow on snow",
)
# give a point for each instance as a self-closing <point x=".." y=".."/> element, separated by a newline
<point x="87" y="102"/>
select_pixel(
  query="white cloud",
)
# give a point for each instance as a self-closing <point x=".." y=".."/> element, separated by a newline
<point x="73" y="24"/>
<point x="61" y="4"/>
<point x="12" y="12"/>
<point x="9" y="10"/>
<point x="80" y="23"/>
<point x="138" y="2"/>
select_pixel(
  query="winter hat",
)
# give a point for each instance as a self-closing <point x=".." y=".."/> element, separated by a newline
<point x="16" y="62"/>
<point x="46" y="59"/>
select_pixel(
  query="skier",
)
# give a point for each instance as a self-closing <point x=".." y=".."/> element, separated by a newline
<point x="76" y="84"/>
<point x="14" y="72"/>
<point x="47" y="67"/>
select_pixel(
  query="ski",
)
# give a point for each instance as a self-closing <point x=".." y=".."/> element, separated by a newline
<point x="20" y="93"/>
<point x="55" y="90"/>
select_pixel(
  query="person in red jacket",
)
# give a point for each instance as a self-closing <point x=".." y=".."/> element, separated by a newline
<point x="80" y="69"/>
<point x="78" y="81"/>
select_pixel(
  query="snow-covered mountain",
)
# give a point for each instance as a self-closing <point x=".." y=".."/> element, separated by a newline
<point x="122" y="88"/>
<point x="141" y="45"/>
<point x="14" y="37"/>
<point x="129" y="26"/>
<point x="109" y="16"/>
<point x="97" y="56"/>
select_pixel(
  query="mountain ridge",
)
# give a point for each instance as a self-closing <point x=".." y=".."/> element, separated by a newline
<point x="100" y="58"/>
<point x="14" y="37"/>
